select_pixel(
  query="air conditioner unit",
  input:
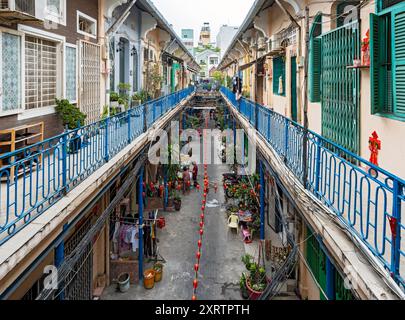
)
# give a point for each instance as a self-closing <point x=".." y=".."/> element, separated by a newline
<point x="274" y="43"/>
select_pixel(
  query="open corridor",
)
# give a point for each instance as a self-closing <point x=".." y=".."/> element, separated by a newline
<point x="222" y="251"/>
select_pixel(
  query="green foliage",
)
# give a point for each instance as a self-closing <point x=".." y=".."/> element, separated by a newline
<point x="137" y="96"/>
<point x="114" y="96"/>
<point x="257" y="274"/>
<point x="242" y="281"/>
<point x="124" y="87"/>
<point x="218" y="76"/>
<point x="71" y="116"/>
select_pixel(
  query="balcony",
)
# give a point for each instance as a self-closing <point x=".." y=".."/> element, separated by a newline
<point x="14" y="11"/>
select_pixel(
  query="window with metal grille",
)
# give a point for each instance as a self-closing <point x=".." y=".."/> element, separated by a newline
<point x="279" y="76"/>
<point x="387" y="50"/>
<point x="40" y="73"/>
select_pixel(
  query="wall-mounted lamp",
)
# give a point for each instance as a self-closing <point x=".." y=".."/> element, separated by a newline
<point x="133" y="51"/>
<point x="120" y="46"/>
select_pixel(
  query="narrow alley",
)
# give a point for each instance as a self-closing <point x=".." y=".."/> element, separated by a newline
<point x="233" y="150"/>
<point x="222" y="250"/>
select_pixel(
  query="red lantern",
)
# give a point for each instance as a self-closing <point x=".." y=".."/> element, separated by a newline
<point x="201" y="232"/>
<point x="179" y="187"/>
<point x="198" y="187"/>
<point x="199" y="243"/>
<point x="204" y="201"/>
<point x="195" y="284"/>
<point x="198" y="255"/>
<point x="202" y="208"/>
<point x="201" y="224"/>
<point x="194" y="298"/>
<point x="202" y="216"/>
<point x="196" y="267"/>
<point x="205" y="194"/>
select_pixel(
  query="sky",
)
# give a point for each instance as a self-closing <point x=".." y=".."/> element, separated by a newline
<point x="191" y="14"/>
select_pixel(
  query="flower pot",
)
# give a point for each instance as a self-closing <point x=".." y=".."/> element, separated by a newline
<point x="149" y="279"/>
<point x="158" y="268"/>
<point x="253" y="294"/>
<point x="123" y="282"/>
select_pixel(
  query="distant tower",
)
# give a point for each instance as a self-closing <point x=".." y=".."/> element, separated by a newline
<point x="205" y="35"/>
<point x="187" y="37"/>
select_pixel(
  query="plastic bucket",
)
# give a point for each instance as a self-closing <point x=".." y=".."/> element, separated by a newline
<point x="123" y="282"/>
<point x="158" y="268"/>
<point x="149" y="279"/>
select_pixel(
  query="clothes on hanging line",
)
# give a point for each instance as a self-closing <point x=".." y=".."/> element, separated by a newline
<point x="125" y="238"/>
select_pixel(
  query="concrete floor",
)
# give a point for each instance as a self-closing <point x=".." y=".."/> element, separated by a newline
<point x="222" y="249"/>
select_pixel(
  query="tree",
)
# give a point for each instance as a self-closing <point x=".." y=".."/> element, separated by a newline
<point x="219" y="77"/>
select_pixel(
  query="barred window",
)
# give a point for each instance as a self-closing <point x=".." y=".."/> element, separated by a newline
<point x="40" y="73"/>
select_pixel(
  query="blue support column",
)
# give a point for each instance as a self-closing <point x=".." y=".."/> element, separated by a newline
<point x="262" y="204"/>
<point x="166" y="193"/>
<point x="330" y="279"/>
<point x="60" y="258"/>
<point x="140" y="210"/>
<point x="234" y="141"/>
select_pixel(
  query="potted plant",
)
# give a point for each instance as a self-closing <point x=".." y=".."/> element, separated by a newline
<point x="114" y="97"/>
<point x="72" y="119"/>
<point x="136" y="99"/>
<point x="243" y="289"/>
<point x="121" y="104"/>
<point x="256" y="281"/>
<point x="177" y="202"/>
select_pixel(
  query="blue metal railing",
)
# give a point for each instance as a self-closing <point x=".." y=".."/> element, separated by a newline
<point x="36" y="177"/>
<point x="367" y="199"/>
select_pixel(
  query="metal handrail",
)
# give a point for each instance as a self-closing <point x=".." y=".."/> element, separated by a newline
<point x="35" y="177"/>
<point x="369" y="202"/>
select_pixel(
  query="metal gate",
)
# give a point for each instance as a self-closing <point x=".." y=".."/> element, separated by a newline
<point x="79" y="283"/>
<point x="89" y="80"/>
<point x="340" y="86"/>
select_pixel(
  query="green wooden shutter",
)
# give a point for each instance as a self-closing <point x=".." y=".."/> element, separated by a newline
<point x="315" y="70"/>
<point x="398" y="29"/>
<point x="375" y="66"/>
<point x="315" y="56"/>
<point x="278" y="71"/>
